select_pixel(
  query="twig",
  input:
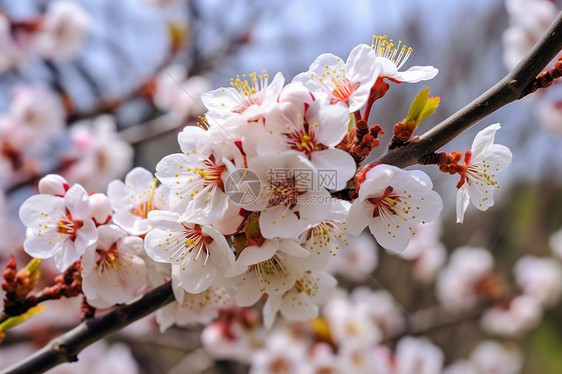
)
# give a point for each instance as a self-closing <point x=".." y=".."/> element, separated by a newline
<point x="512" y="87"/>
<point x="66" y="347"/>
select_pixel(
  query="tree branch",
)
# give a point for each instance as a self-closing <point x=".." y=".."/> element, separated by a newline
<point x="512" y="87"/>
<point x="66" y="347"/>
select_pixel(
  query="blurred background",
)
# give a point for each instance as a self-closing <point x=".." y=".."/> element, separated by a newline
<point x="145" y="62"/>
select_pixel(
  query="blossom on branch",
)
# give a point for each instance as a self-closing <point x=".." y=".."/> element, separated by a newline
<point x="390" y="59"/>
<point x="392" y="202"/>
<point x="332" y="80"/>
<point x="59" y="227"/>
<point x="481" y="166"/>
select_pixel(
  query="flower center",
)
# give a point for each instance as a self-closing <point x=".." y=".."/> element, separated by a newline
<point x="145" y="206"/>
<point x="108" y="259"/>
<point x="211" y="172"/>
<point x="343" y="90"/>
<point x="68" y="226"/>
<point x="285" y="191"/>
<point x="385" y="203"/>
<point x="383" y="48"/>
<point x="302" y="138"/>
<point x="252" y="92"/>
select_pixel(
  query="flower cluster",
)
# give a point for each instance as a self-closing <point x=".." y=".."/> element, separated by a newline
<point x="263" y="193"/>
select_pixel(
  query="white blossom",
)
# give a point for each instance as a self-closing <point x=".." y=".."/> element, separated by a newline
<point x="59" y="227"/>
<point x="97" y="155"/>
<point x="201" y="253"/>
<point x="134" y="199"/>
<point x="64" y="29"/>
<point x="392" y="202"/>
<point x="251" y="99"/>
<point x="540" y="278"/>
<point x="521" y="315"/>
<point x="332" y="80"/>
<point x="483" y="162"/>
<point x="390" y="58"/>
<point x="113" y="270"/>
<point x="457" y="282"/>
<point x="301" y="302"/>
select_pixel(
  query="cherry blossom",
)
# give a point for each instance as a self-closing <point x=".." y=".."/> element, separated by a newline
<point x="304" y="125"/>
<point x="528" y="20"/>
<point x="63" y="31"/>
<point x="191" y="308"/>
<point x="392" y="202"/>
<point x="540" y="278"/>
<point x="200" y="253"/>
<point x="332" y="80"/>
<point x="522" y="314"/>
<point x="327" y="237"/>
<point x="178" y="94"/>
<point x="59" y="227"/>
<point x="134" y="199"/>
<point x="301" y="302"/>
<point x="457" y="284"/>
<point x="35" y="117"/>
<point x="250" y="99"/>
<point x="358" y="259"/>
<point x="482" y="163"/>
<point x="491" y="357"/>
<point x="113" y="270"/>
<point x="287" y="201"/>
<point x="195" y="177"/>
<point x="390" y="58"/>
<point x="272" y="268"/>
<point x="97" y="154"/>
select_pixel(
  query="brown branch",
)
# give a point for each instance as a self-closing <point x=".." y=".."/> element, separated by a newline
<point x="511" y="88"/>
<point x="66" y="347"/>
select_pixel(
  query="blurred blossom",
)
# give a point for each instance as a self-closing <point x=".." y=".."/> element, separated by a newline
<point x="519" y="316"/>
<point x="280" y="355"/>
<point x="63" y="30"/>
<point x="351" y="324"/>
<point x="490" y="357"/>
<point x="417" y="355"/>
<point x="426" y="253"/>
<point x="35" y="117"/>
<point x="540" y="278"/>
<point x="97" y="155"/>
<point x="236" y="341"/>
<point x="529" y="19"/>
<point x="549" y="112"/>
<point x="12" y="53"/>
<point x="177" y="93"/>
<point x="381" y="308"/>
<point x="357" y="260"/>
<point x="457" y="283"/>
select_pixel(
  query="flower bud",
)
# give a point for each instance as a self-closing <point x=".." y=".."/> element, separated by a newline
<point x="101" y="208"/>
<point x="53" y="184"/>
